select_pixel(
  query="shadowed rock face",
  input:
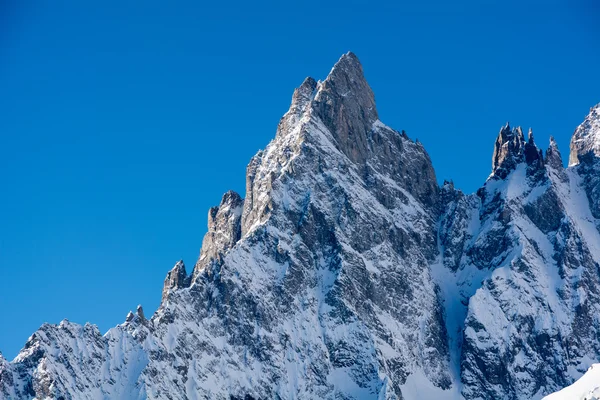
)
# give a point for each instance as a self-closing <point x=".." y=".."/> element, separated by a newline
<point x="511" y="149"/>
<point x="347" y="273"/>
<point x="508" y="151"/>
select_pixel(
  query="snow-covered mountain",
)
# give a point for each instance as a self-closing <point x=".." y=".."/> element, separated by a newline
<point x="346" y="272"/>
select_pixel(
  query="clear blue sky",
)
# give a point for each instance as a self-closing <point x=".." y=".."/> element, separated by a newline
<point x="121" y="123"/>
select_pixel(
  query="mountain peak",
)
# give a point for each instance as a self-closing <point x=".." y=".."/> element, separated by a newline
<point x="349" y="266"/>
<point x="511" y="149"/>
<point x="508" y="150"/>
<point x="346" y="105"/>
<point x="532" y="153"/>
<point x="586" y="138"/>
<point x="553" y="157"/>
<point x="349" y="64"/>
<point x="347" y="80"/>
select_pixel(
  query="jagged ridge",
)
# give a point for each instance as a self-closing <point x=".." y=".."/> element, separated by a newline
<point x="346" y="272"/>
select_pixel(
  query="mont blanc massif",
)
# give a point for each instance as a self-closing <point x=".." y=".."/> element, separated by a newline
<point x="348" y="272"/>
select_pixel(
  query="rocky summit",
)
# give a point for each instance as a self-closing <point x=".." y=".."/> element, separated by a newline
<point x="347" y="272"/>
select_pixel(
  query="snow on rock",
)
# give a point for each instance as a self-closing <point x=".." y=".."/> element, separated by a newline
<point x="525" y="273"/>
<point x="346" y="272"/>
<point x="586" y="138"/>
<point x="585" y="388"/>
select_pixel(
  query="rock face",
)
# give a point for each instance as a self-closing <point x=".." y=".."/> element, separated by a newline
<point x="525" y="252"/>
<point x="224" y="231"/>
<point x="347" y="273"/>
<point x="176" y="278"/>
<point x="586" y="138"/>
<point x="511" y="149"/>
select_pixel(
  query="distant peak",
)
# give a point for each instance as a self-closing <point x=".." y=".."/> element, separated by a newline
<point x="586" y="138"/>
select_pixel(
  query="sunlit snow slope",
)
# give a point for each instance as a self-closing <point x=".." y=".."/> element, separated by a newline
<point x="586" y="388"/>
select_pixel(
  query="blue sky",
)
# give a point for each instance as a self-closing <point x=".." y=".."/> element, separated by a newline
<point x="121" y="124"/>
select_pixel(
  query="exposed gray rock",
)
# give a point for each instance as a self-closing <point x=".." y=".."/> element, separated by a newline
<point x="589" y="172"/>
<point x="303" y="96"/>
<point x="224" y="231"/>
<point x="553" y="157"/>
<point x="346" y="105"/>
<point x="533" y="155"/>
<point x="176" y="279"/>
<point x="508" y="151"/>
<point x="347" y="273"/>
<point x="322" y="270"/>
<point x="536" y="251"/>
<point x="586" y="138"/>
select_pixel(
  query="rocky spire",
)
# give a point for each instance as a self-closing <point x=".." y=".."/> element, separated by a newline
<point x="130" y="316"/>
<point x="553" y="157"/>
<point x="176" y="278"/>
<point x="586" y="138"/>
<point x="224" y="230"/>
<point x="303" y="95"/>
<point x="511" y="149"/>
<point x="301" y="101"/>
<point x="508" y="151"/>
<point x="346" y="105"/>
<point x="140" y="312"/>
<point x="533" y="155"/>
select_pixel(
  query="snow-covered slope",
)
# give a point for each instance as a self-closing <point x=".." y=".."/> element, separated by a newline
<point x="346" y="272"/>
<point x="586" y="138"/>
<point x="525" y="268"/>
<point x="586" y="388"/>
